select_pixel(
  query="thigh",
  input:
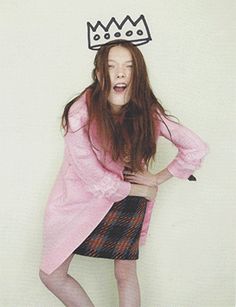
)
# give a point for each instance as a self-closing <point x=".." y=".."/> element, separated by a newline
<point x="64" y="267"/>
<point x="124" y="268"/>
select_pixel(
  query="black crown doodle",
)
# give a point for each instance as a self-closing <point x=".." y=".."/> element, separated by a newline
<point x="136" y="32"/>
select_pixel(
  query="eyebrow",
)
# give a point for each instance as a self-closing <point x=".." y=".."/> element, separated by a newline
<point x="125" y="61"/>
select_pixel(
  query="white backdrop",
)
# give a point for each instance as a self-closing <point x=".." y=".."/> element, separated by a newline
<point x="189" y="257"/>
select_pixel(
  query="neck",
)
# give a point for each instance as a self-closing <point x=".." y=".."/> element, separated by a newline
<point x="115" y="109"/>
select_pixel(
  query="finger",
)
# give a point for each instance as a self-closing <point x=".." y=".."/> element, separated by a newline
<point x="130" y="175"/>
<point x="128" y="172"/>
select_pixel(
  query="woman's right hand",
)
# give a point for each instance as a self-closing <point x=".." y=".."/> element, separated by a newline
<point x="145" y="191"/>
<point x="150" y="192"/>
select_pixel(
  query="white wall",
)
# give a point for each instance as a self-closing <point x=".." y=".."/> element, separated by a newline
<point x="189" y="258"/>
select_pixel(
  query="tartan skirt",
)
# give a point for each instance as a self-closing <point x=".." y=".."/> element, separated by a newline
<point x="117" y="235"/>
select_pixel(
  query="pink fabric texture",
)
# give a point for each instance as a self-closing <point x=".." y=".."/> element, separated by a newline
<point x="87" y="185"/>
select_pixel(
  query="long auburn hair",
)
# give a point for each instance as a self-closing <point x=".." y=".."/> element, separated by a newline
<point x="134" y="130"/>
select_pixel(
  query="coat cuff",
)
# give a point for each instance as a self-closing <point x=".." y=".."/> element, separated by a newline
<point x="178" y="171"/>
<point x="122" y="191"/>
<point x="183" y="166"/>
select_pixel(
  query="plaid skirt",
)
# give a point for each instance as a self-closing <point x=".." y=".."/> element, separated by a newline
<point x="117" y="235"/>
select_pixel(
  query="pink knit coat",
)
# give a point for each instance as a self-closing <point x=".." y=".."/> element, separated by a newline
<point x="86" y="185"/>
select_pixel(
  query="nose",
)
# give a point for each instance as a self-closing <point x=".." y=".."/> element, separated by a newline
<point x="120" y="73"/>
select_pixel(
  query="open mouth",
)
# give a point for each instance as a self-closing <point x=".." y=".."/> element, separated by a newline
<point x="120" y="87"/>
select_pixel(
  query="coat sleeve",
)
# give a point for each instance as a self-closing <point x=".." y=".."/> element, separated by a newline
<point x="99" y="181"/>
<point x="191" y="148"/>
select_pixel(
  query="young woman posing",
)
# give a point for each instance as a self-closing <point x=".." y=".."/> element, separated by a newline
<point x="101" y="202"/>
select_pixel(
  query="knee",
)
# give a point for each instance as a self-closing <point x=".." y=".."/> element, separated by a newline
<point x="51" y="280"/>
<point x="45" y="278"/>
<point x="58" y="277"/>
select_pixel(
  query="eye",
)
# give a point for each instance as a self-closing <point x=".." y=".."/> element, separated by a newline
<point x="110" y="66"/>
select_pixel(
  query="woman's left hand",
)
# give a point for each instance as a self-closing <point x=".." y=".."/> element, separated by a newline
<point x="144" y="177"/>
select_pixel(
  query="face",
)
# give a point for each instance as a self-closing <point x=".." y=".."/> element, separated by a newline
<point x="120" y="72"/>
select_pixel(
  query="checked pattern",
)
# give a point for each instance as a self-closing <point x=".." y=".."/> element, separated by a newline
<point x="117" y="235"/>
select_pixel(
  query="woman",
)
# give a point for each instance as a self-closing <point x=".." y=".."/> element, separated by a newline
<point x="101" y="202"/>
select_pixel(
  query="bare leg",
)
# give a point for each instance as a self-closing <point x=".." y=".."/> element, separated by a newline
<point x="127" y="283"/>
<point x="65" y="287"/>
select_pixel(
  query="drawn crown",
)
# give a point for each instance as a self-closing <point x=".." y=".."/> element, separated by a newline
<point x="136" y="32"/>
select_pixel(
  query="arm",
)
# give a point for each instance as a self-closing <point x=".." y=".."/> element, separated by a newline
<point x="191" y="151"/>
<point x="100" y="181"/>
<point x="162" y="176"/>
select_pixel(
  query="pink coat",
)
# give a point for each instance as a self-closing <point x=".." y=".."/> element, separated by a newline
<point x="87" y="186"/>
